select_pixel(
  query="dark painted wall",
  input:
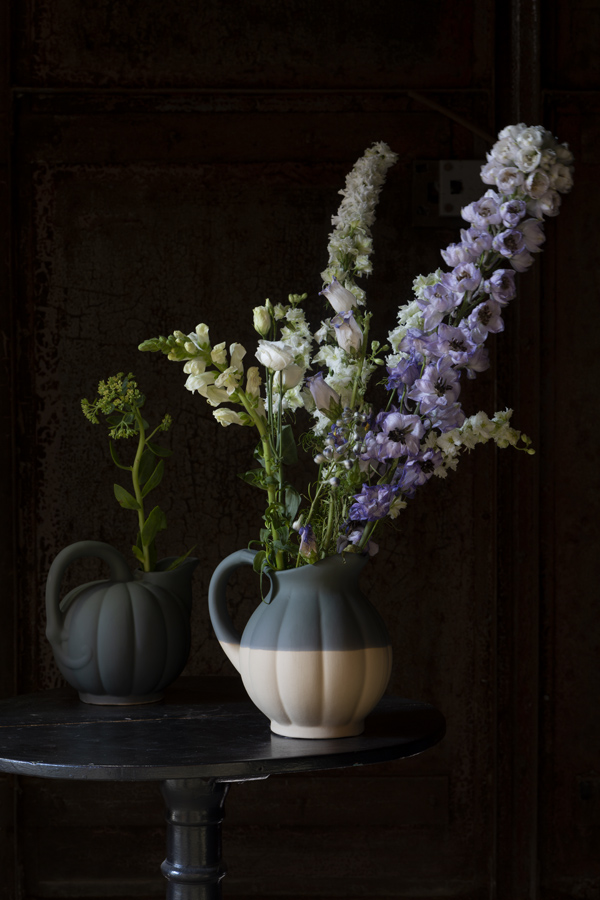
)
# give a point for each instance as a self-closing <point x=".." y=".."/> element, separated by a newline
<point x="163" y="168"/>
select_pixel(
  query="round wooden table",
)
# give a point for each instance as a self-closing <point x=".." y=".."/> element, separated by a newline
<point x="203" y="736"/>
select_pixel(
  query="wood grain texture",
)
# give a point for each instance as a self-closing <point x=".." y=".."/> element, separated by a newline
<point x="168" y="169"/>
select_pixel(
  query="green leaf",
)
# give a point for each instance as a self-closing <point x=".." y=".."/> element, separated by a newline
<point x="289" y="451"/>
<point x="155" y="522"/>
<point x="258" y="562"/>
<point x="115" y="458"/>
<point x="137" y="553"/>
<point x="158" y="450"/>
<point x="180" y="559"/>
<point x="147" y="463"/>
<point x="292" y="502"/>
<point x="126" y="499"/>
<point x="155" y="479"/>
<point x="255" y="477"/>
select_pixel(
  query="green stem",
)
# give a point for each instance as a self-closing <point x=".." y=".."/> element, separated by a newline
<point x="361" y="363"/>
<point x="137" y="488"/>
<point x="329" y="529"/>
<point x="265" y="439"/>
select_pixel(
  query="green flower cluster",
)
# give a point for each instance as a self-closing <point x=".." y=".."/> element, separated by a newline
<point x="119" y="402"/>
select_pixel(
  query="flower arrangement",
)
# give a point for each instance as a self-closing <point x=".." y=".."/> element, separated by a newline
<point x="373" y="459"/>
<point x="120" y="402"/>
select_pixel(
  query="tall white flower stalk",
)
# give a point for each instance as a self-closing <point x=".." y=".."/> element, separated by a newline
<point x="371" y="462"/>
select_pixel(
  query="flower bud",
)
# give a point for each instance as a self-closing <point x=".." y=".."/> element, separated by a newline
<point x="262" y="320"/>
<point x="326" y="399"/>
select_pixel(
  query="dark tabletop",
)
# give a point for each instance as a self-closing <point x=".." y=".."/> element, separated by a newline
<point x="204" y="728"/>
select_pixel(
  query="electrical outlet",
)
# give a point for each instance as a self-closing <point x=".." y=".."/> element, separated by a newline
<point x="460" y="183"/>
<point x="440" y="188"/>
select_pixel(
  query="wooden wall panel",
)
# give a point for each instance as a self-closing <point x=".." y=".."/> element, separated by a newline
<point x="253" y="44"/>
<point x="570" y="759"/>
<point x="123" y="250"/>
<point x="172" y="168"/>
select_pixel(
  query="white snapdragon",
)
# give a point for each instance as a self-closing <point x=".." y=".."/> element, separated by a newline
<point x="194" y="366"/>
<point x="205" y="386"/>
<point x="229" y="380"/>
<point x="218" y="354"/>
<point x="227" y="417"/>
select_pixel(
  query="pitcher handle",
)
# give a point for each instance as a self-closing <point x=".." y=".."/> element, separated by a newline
<point x="119" y="571"/>
<point x="222" y="623"/>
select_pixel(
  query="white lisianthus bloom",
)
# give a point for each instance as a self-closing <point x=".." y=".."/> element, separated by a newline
<point x="274" y="355"/>
<point x="227" y="417"/>
<point x="218" y="354"/>
<point x="262" y="320"/>
<point x="291" y="377"/>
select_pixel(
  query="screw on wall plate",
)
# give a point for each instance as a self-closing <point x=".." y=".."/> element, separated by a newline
<point x="440" y="188"/>
<point x="460" y="184"/>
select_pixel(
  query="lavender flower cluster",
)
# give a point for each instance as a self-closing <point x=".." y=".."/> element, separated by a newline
<point x="442" y="333"/>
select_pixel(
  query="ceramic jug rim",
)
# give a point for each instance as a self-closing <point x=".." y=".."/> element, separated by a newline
<point x="352" y="560"/>
<point x="162" y="569"/>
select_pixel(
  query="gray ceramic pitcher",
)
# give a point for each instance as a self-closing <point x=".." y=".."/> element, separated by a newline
<point x="122" y="640"/>
<point x="315" y="656"/>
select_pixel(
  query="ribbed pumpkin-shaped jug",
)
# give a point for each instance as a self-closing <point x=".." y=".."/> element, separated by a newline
<point x="315" y="656"/>
<point x="123" y="640"/>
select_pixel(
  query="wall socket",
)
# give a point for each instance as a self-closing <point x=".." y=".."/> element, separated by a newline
<point x="440" y="188"/>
